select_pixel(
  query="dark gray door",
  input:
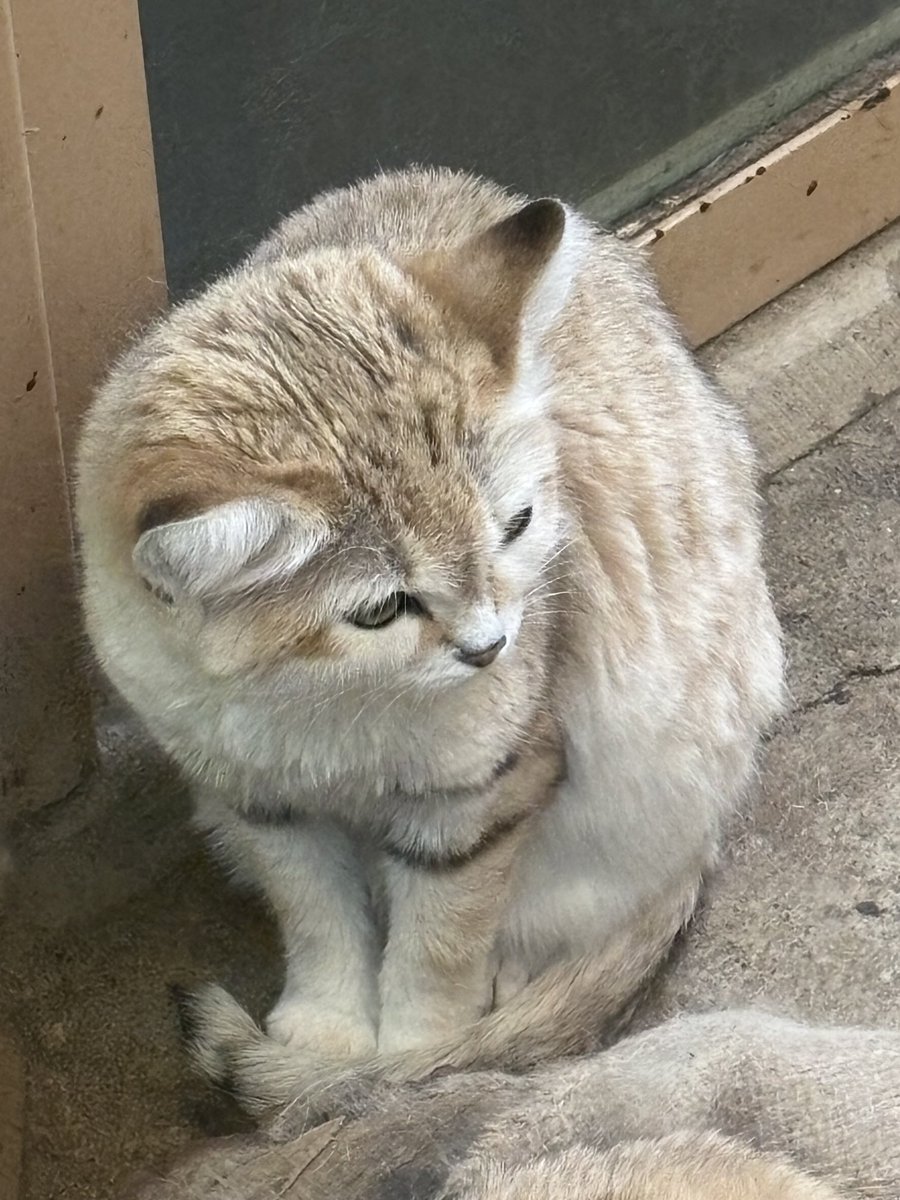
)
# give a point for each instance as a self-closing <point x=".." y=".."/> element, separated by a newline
<point x="258" y="104"/>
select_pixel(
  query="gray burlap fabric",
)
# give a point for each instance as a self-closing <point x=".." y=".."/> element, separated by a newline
<point x="827" y="1099"/>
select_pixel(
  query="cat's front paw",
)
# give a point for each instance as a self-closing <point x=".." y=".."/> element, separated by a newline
<point x="324" y="1034"/>
<point x="263" y="1074"/>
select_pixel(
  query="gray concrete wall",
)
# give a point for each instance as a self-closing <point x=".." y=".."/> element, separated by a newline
<point x="258" y="104"/>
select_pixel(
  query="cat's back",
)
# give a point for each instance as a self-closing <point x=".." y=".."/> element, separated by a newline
<point x="398" y="212"/>
<point x="420" y="209"/>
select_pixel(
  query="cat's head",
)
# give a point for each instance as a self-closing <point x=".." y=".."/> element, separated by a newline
<point x="344" y="464"/>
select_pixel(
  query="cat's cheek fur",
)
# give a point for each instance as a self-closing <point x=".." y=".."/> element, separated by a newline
<point x="380" y="654"/>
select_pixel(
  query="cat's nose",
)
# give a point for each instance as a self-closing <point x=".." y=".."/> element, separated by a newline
<point x="483" y="656"/>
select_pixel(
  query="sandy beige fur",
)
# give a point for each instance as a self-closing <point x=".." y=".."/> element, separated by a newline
<point x="681" y="1166"/>
<point x="482" y="824"/>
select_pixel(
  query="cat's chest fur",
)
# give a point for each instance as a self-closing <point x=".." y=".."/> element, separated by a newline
<point x="413" y="775"/>
<point x="361" y="756"/>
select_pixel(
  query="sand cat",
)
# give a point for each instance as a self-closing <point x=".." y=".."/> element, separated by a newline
<point x="424" y="547"/>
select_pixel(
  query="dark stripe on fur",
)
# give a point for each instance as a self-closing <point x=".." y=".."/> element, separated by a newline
<point x="276" y="816"/>
<point x="507" y="764"/>
<point x="166" y="509"/>
<point x="451" y="860"/>
<point x="503" y="767"/>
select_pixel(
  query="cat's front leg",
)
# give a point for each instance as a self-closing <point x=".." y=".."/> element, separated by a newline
<point x="309" y="873"/>
<point x="436" y="974"/>
<point x="447" y="904"/>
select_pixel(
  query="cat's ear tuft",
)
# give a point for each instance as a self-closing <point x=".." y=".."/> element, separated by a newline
<point x="511" y="282"/>
<point x="560" y="239"/>
<point x="535" y="231"/>
<point x="227" y="548"/>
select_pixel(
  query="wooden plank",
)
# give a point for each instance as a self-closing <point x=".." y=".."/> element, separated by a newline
<point x="770" y="226"/>
<point x="44" y="733"/>
<point x="90" y="153"/>
<point x="83" y="265"/>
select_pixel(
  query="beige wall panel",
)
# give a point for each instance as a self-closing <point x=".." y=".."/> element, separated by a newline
<point x="43" y="711"/>
<point x="91" y="161"/>
<point x="768" y="227"/>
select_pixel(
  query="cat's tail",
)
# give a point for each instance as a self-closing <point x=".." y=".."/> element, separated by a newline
<point x="571" y="1008"/>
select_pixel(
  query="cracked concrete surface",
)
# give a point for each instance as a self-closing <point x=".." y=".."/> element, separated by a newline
<point x="833" y="535"/>
<point x="113" y="899"/>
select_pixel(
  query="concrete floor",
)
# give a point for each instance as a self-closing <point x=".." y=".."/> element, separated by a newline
<point x="114" y="898"/>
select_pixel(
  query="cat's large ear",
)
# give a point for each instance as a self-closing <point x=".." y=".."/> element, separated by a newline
<point x="512" y="281"/>
<point x="227" y="548"/>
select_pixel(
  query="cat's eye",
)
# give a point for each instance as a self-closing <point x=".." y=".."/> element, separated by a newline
<point x="517" y="526"/>
<point x="376" y="616"/>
